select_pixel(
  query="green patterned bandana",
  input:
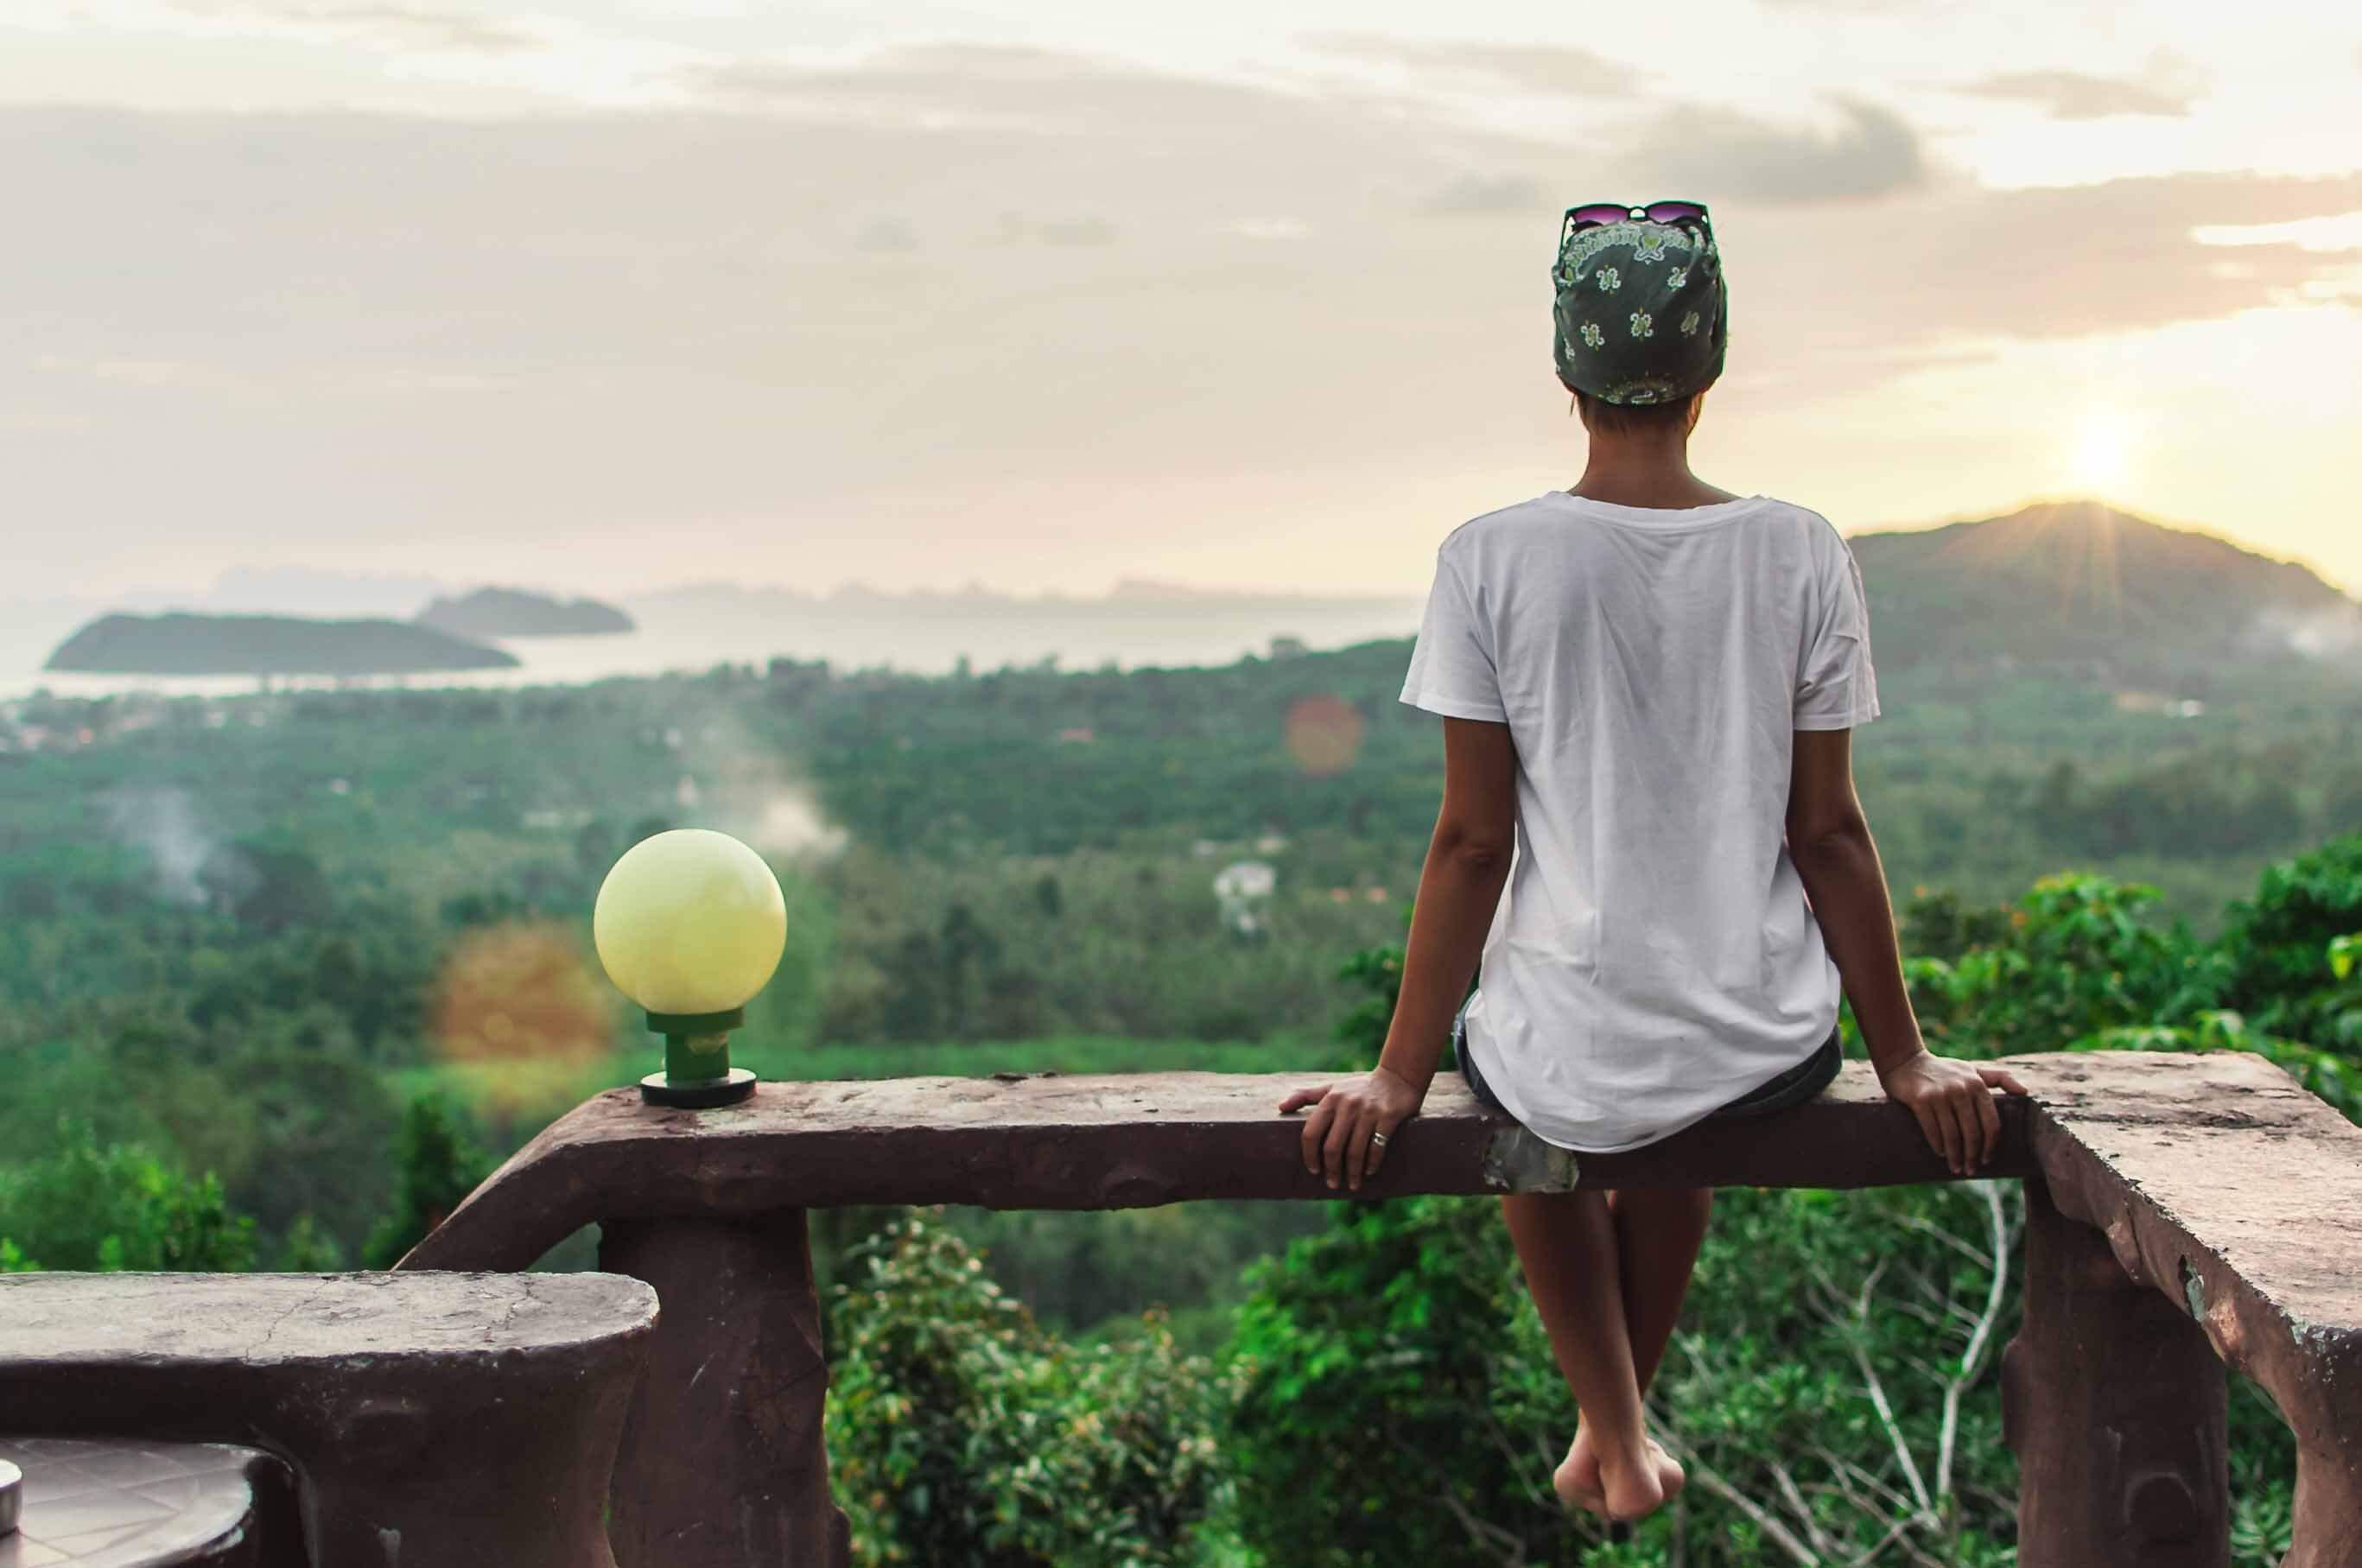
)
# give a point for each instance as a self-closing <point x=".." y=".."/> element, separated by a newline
<point x="1641" y="311"/>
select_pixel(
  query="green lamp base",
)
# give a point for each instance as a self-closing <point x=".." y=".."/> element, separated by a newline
<point x="658" y="1088"/>
<point x="697" y="1073"/>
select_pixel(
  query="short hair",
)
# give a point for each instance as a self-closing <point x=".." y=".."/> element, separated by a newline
<point x="1631" y="418"/>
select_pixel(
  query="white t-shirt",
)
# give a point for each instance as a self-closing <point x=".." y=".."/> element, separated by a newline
<point x="1652" y="956"/>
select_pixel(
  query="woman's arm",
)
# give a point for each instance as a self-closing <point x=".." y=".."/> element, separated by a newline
<point x="1467" y="864"/>
<point x="1828" y="840"/>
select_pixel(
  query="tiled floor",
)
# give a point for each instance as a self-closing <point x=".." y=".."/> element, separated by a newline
<point x="129" y="1504"/>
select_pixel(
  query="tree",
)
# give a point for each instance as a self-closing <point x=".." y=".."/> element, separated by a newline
<point x="438" y="1163"/>
<point x="959" y="1432"/>
<point x="307" y="1249"/>
<point x="118" y="1205"/>
<point x="1372" y="1424"/>
<point x="2277" y="940"/>
<point x="1830" y="1388"/>
<point x="2076" y="959"/>
<point x="322" y="1122"/>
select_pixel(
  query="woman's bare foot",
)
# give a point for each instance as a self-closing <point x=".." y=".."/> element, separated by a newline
<point x="1578" y="1485"/>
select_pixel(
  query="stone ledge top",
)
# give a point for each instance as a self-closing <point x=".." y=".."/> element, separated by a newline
<point x="192" y="1319"/>
<point x="2225" y="1144"/>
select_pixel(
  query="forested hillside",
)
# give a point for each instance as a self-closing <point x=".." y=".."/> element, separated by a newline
<point x="251" y="948"/>
<point x="2081" y="586"/>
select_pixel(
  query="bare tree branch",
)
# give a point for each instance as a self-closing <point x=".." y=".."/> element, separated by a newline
<point x="1878" y="1394"/>
<point x="1959" y="1244"/>
<point x="1972" y="1359"/>
<point x="1847" y="1472"/>
<point x="1893" y="1533"/>
<point x="1912" y="1309"/>
<point x="1705" y="1477"/>
<point x="1802" y="1509"/>
<point x="1481" y="1533"/>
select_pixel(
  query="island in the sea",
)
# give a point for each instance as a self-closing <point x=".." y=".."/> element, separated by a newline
<point x="512" y="613"/>
<point x="266" y="644"/>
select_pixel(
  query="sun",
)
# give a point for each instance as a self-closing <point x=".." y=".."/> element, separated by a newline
<point x="2104" y="450"/>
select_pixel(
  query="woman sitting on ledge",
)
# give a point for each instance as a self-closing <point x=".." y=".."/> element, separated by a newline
<point x="1649" y="688"/>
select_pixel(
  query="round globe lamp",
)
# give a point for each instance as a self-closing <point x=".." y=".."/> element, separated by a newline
<point x="689" y="924"/>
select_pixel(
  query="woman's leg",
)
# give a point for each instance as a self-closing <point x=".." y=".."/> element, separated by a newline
<point x="1567" y="1247"/>
<point x="1658" y="1234"/>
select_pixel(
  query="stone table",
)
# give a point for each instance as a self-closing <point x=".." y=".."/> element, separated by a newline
<point x="130" y="1504"/>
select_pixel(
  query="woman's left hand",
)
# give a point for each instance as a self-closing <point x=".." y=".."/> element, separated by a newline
<point x="1344" y="1115"/>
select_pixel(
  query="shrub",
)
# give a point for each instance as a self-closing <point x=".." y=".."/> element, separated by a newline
<point x="87" y="1207"/>
<point x="438" y="1164"/>
<point x="2276" y="939"/>
<point x="961" y="1435"/>
<point x="2076" y="958"/>
<point x="1370" y="1425"/>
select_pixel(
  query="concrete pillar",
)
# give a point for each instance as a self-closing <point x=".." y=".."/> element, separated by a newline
<point x="722" y="1464"/>
<point x="2115" y="1405"/>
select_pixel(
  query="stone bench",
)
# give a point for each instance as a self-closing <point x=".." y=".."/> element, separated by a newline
<point x="2185" y="1212"/>
<point x="430" y="1418"/>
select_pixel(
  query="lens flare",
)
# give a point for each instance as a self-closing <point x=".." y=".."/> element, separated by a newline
<point x="1324" y="734"/>
<point x="519" y="1012"/>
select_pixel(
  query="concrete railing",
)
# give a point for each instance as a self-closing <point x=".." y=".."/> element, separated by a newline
<point x="2185" y="1213"/>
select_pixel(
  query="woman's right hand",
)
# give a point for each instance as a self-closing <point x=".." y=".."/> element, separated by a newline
<point x="1954" y="1103"/>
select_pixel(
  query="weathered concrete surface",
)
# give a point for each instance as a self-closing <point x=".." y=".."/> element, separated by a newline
<point x="1127" y="1141"/>
<point x="723" y="1463"/>
<point x="2238" y="1196"/>
<point x="2117" y="1410"/>
<point x="2216" y="1180"/>
<point x="431" y="1419"/>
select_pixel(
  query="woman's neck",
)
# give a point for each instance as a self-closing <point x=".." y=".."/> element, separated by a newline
<point x="1652" y="474"/>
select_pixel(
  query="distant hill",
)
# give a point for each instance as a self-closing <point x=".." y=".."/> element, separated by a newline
<point x="2107" y="594"/>
<point x="265" y="645"/>
<point x="512" y="613"/>
<point x="1139" y="623"/>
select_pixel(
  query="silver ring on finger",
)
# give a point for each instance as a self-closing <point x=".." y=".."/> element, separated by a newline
<point x="1379" y="1139"/>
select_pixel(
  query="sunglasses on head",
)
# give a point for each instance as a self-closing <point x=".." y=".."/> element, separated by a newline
<point x="1591" y="214"/>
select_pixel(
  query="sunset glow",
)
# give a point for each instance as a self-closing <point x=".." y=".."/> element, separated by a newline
<point x="1045" y="295"/>
<point x="2104" y="463"/>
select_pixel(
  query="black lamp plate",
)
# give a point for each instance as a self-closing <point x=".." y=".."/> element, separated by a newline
<point x="656" y="1089"/>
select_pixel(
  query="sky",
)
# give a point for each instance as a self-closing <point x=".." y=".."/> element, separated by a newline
<point x="607" y="295"/>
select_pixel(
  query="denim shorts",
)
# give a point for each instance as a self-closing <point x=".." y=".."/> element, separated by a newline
<point x="1800" y="1083"/>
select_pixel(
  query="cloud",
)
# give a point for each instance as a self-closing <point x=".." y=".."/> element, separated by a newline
<point x="1898" y="10"/>
<point x="1487" y="194"/>
<point x="1951" y="262"/>
<point x="1086" y="230"/>
<point x="2073" y="96"/>
<point x="670" y="340"/>
<point x="407" y="27"/>
<point x="1268" y="228"/>
<point x="1539" y="68"/>
<point x="1713" y="154"/>
<point x="948" y="86"/>
<point x="886" y="236"/>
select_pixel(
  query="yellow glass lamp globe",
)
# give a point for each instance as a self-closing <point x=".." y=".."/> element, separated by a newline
<point x="691" y="924"/>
